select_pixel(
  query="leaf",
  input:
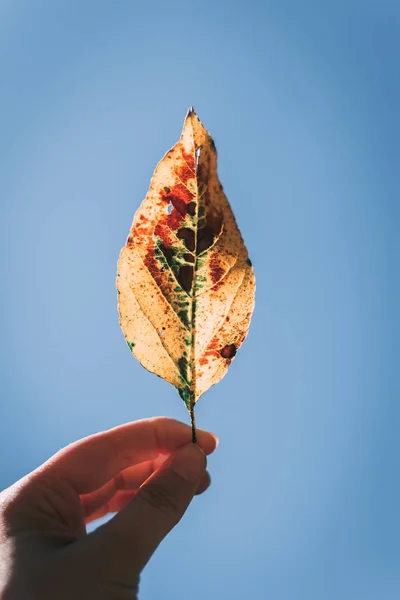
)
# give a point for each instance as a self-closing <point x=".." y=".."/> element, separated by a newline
<point x="185" y="282"/>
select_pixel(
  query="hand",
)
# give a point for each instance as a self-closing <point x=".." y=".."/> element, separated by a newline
<point x="146" y="471"/>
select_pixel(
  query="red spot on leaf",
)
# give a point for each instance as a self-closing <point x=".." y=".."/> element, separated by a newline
<point x="190" y="160"/>
<point x="163" y="232"/>
<point x="216" y="270"/>
<point x="179" y="196"/>
<point x="179" y="204"/>
<point x="185" y="168"/>
<point x="153" y="267"/>
<point x="210" y="352"/>
<point x="174" y="220"/>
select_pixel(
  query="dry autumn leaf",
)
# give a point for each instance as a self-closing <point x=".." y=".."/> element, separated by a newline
<point x="185" y="282"/>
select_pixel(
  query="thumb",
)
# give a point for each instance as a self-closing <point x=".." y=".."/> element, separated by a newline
<point x="136" y="531"/>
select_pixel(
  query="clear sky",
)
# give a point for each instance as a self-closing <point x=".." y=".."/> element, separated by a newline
<point x="302" y="99"/>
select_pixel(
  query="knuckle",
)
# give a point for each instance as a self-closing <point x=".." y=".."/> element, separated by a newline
<point x="159" y="498"/>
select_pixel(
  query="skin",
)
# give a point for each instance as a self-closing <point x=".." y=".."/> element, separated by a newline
<point x="146" y="471"/>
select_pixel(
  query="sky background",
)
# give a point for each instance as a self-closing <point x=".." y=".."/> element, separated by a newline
<point x="302" y="99"/>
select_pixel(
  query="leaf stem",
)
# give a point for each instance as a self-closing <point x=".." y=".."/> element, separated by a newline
<point x="193" y="420"/>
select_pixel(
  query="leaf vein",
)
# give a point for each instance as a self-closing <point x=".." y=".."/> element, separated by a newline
<point x="154" y="327"/>
<point x="158" y="287"/>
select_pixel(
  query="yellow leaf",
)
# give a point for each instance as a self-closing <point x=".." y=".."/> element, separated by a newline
<point x="185" y="282"/>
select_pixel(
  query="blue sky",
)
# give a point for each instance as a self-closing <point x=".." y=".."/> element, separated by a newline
<point x="302" y="100"/>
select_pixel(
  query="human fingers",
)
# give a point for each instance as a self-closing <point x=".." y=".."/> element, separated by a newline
<point x="99" y="508"/>
<point x="128" y="479"/>
<point x="90" y="463"/>
<point x="130" y="538"/>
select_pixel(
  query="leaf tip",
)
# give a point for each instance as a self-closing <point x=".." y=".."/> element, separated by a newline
<point x="190" y="112"/>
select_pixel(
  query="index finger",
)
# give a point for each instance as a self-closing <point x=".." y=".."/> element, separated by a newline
<point x="89" y="463"/>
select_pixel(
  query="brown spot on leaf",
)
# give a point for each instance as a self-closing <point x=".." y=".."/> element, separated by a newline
<point x="228" y="351"/>
<point x="205" y="238"/>
<point x="187" y="235"/>
<point x="183" y="365"/>
<point x="191" y="208"/>
<point x="214" y="221"/>
<point x="188" y="258"/>
<point x="185" y="277"/>
<point x="167" y="251"/>
<point x="167" y="190"/>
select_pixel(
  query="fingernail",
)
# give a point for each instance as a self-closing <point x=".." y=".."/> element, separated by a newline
<point x="216" y="438"/>
<point x="203" y="432"/>
<point x="189" y="462"/>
